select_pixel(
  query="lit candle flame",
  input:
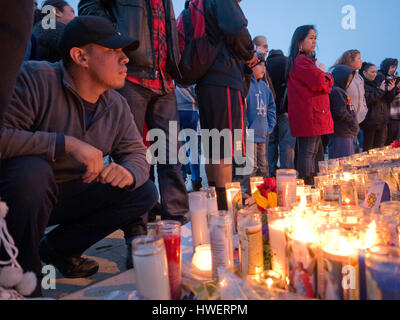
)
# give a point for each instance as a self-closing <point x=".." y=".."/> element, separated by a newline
<point x="269" y="283"/>
<point x="370" y="235"/>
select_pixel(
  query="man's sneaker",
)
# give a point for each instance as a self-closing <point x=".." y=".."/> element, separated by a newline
<point x="70" y="267"/>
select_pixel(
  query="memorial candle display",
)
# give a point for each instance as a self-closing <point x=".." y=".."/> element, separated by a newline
<point x="199" y="220"/>
<point x="390" y="212"/>
<point x="170" y="231"/>
<point x="151" y="268"/>
<point x="348" y="194"/>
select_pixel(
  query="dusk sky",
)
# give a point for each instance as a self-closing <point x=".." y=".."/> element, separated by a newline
<point x="376" y="33"/>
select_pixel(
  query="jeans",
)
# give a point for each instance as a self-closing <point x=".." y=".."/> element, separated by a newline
<point x="258" y="161"/>
<point x="189" y="120"/>
<point x="374" y="138"/>
<point x="158" y="111"/>
<point x="307" y="153"/>
<point x="84" y="213"/>
<point x="340" y="147"/>
<point x="281" y="140"/>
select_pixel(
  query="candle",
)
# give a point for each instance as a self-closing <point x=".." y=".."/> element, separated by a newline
<point x="383" y="273"/>
<point x="199" y="221"/>
<point x="337" y="274"/>
<point x="350" y="216"/>
<point x="211" y="195"/>
<point x="170" y="231"/>
<point x="348" y="194"/>
<point x="286" y="187"/>
<point x="390" y="212"/>
<point x="277" y="242"/>
<point x="151" y="268"/>
<point x="302" y="249"/>
<point x="234" y="201"/>
<point x="201" y="260"/>
<point x="250" y="243"/>
<point x="221" y="237"/>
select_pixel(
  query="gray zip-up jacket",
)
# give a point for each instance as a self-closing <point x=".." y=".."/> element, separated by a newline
<point x="46" y="104"/>
<point x="356" y="93"/>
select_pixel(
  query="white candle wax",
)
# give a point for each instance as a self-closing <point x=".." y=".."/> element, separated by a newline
<point x="278" y="247"/>
<point x="212" y="205"/>
<point x="152" y="274"/>
<point x="200" y="232"/>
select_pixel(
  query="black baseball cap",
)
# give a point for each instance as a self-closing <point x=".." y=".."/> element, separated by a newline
<point x="92" y="29"/>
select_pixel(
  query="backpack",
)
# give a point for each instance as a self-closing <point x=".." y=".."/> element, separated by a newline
<point x="197" y="52"/>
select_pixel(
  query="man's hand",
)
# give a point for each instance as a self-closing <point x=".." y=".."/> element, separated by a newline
<point x="251" y="63"/>
<point x="86" y="154"/>
<point x="116" y="175"/>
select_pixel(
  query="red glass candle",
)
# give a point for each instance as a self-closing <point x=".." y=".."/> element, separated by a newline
<point x="171" y="233"/>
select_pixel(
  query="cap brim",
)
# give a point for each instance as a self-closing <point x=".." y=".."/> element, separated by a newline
<point x="119" y="41"/>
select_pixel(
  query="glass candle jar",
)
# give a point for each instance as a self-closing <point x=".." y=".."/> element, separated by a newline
<point x="211" y="195"/>
<point x="199" y="218"/>
<point x="234" y="200"/>
<point x="383" y="273"/>
<point x="348" y="194"/>
<point x="254" y="182"/>
<point x="170" y="231"/>
<point x="350" y="216"/>
<point x="250" y="243"/>
<point x="151" y="268"/>
<point x="286" y="187"/>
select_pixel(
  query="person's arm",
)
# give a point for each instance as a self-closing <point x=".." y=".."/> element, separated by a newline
<point x="17" y="136"/>
<point x="271" y="111"/>
<point x="372" y="94"/>
<point x="315" y="79"/>
<point x="339" y="108"/>
<point x="129" y="150"/>
<point x="233" y="23"/>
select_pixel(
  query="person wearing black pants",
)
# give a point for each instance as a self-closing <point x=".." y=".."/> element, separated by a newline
<point x="85" y="213"/>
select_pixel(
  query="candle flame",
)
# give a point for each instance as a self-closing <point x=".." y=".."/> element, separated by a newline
<point x="269" y="283"/>
<point x="347" y="200"/>
<point x="370" y="235"/>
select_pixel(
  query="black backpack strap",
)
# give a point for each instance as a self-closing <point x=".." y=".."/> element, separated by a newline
<point x="187" y="21"/>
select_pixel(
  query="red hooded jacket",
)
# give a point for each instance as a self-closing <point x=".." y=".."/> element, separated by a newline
<point x="308" y="99"/>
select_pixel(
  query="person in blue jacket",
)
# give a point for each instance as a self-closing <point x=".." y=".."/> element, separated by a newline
<point x="343" y="114"/>
<point x="261" y="117"/>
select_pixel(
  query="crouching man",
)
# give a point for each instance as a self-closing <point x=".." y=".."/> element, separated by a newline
<point x="62" y="120"/>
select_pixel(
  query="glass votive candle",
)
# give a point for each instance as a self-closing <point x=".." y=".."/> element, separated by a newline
<point x="338" y="251"/>
<point x="199" y="218"/>
<point x="270" y="279"/>
<point x="286" y="187"/>
<point x="350" y="216"/>
<point x="383" y="273"/>
<point x="211" y="195"/>
<point x="348" y="194"/>
<point x="390" y="212"/>
<point x="151" y="268"/>
<point x="323" y="167"/>
<point x="234" y="201"/>
<point x="331" y="193"/>
<point x="333" y="165"/>
<point x="385" y="174"/>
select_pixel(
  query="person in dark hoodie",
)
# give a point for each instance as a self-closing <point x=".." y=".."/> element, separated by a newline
<point x="341" y="142"/>
<point x="280" y="138"/>
<point x="376" y="94"/>
<point x="387" y="74"/>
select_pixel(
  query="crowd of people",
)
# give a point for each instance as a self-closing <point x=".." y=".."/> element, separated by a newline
<point x="73" y="138"/>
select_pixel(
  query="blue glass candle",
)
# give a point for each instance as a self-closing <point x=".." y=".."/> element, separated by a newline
<point x="383" y="273"/>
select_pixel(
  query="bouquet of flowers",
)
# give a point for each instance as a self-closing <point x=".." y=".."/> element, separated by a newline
<point x="395" y="144"/>
<point x="266" y="196"/>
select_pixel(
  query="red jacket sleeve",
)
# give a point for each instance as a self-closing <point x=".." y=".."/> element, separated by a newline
<point x="308" y="73"/>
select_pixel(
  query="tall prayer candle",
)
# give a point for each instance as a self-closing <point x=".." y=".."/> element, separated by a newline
<point x="198" y="214"/>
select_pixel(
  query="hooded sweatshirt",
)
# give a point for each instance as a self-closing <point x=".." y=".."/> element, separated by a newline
<point x="261" y="110"/>
<point x="343" y="114"/>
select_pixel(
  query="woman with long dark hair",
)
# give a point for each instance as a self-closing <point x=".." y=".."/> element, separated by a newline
<point x="377" y="94"/>
<point x="308" y="100"/>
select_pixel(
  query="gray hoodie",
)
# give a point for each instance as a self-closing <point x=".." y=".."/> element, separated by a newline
<point x="45" y="105"/>
<point x="356" y="93"/>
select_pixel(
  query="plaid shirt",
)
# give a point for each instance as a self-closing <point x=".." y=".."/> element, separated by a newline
<point x="163" y="83"/>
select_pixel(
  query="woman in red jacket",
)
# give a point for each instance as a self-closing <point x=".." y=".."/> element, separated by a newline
<point x="308" y="100"/>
